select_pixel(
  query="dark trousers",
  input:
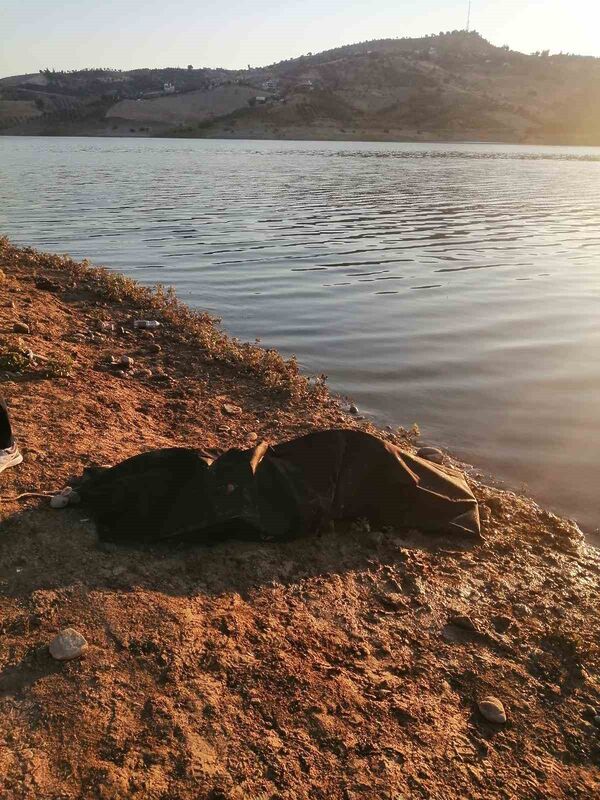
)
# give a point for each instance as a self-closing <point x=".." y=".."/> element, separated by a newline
<point x="6" y="437"/>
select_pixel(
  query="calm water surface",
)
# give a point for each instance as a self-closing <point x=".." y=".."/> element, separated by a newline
<point x="457" y="286"/>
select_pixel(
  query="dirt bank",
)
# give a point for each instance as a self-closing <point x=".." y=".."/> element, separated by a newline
<point x="348" y="666"/>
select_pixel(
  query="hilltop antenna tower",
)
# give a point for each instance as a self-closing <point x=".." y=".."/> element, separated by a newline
<point x="469" y="17"/>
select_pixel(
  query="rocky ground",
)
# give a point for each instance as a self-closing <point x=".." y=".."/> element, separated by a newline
<point x="348" y="666"/>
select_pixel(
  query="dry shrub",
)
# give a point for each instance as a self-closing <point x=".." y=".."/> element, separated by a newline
<point x="13" y="356"/>
<point x="58" y="366"/>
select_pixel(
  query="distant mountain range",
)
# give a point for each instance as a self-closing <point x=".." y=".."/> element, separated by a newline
<point x="452" y="86"/>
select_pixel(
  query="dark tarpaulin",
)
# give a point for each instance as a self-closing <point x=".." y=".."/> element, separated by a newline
<point x="276" y="492"/>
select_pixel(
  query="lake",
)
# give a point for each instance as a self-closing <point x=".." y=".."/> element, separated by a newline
<point x="457" y="286"/>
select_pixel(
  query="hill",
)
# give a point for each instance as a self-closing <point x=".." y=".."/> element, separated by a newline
<point x="454" y="85"/>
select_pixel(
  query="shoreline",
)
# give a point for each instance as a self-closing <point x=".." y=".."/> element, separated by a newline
<point x="308" y="137"/>
<point x="342" y="667"/>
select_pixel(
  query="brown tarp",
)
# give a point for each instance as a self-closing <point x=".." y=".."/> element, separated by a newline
<point x="277" y="492"/>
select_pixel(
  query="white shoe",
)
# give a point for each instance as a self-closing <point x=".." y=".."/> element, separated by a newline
<point x="10" y="457"/>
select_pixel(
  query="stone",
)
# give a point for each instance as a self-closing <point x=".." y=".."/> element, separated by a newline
<point x="144" y="373"/>
<point x="155" y="348"/>
<point x="431" y="454"/>
<point x="21" y="327"/>
<point x="492" y="709"/>
<point x="231" y="410"/>
<point x="148" y="324"/>
<point x="47" y="284"/>
<point x="252" y="436"/>
<point x="495" y="504"/>
<point x="126" y="362"/>
<point x="597" y="721"/>
<point x="412" y="585"/>
<point x="501" y="623"/>
<point x="521" y="610"/>
<point x="464" y="622"/>
<point x="353" y="409"/>
<point x="59" y="501"/>
<point x="484" y="513"/>
<point x="69" y="644"/>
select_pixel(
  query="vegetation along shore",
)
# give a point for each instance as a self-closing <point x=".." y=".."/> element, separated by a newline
<point x="353" y="665"/>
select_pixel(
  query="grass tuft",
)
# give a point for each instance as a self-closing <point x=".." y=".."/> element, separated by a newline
<point x="13" y="356"/>
<point x="58" y="366"/>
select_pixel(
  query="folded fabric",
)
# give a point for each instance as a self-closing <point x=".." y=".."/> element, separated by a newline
<point x="276" y="492"/>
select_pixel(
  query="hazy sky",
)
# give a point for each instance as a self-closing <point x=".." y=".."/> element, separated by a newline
<point x="70" y="34"/>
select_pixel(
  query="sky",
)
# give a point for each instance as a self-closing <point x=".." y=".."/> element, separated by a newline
<point x="124" y="34"/>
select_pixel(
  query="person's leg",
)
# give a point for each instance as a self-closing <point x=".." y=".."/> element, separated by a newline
<point x="9" y="452"/>
<point x="6" y="437"/>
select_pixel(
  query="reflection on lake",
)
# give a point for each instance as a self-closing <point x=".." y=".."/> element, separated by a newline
<point x="453" y="285"/>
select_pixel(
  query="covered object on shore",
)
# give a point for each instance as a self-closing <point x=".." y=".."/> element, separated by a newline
<point x="276" y="492"/>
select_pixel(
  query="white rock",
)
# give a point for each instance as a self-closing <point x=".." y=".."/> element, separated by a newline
<point x="72" y="496"/>
<point x="492" y="709"/>
<point x="59" y="501"/>
<point x="67" y="645"/>
<point x="431" y="454"/>
<point x="146" y="323"/>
